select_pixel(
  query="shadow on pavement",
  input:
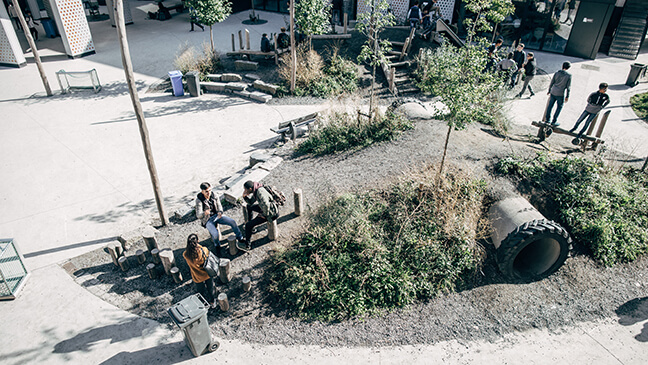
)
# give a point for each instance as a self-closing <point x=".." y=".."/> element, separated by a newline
<point x="171" y="353"/>
<point x="69" y="247"/>
<point x="635" y="311"/>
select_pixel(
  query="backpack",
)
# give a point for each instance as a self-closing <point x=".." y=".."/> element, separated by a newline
<point x="277" y="199"/>
<point x="277" y="195"/>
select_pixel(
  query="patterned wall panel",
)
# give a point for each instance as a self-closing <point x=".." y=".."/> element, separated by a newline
<point x="400" y="8"/>
<point x="10" y="52"/>
<point x="72" y="23"/>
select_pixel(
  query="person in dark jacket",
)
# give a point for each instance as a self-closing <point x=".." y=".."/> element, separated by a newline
<point x="414" y="16"/>
<point x="595" y="103"/>
<point x="558" y="92"/>
<point x="519" y="56"/>
<point x="266" y="46"/>
<point x="529" y="72"/>
<point x="258" y="200"/>
<point x="210" y="212"/>
<point x="283" y="39"/>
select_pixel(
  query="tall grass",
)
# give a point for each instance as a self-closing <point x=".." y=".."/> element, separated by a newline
<point x="189" y="58"/>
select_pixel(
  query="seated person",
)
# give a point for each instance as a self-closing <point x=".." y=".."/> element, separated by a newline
<point x="210" y="212"/>
<point x="163" y="12"/>
<point x="283" y="39"/>
<point x="266" y="46"/>
<point x="258" y="200"/>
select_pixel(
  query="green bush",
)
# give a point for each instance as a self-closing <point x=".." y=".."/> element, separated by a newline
<point x="382" y="249"/>
<point x="342" y="131"/>
<point x="639" y="104"/>
<point x="605" y="210"/>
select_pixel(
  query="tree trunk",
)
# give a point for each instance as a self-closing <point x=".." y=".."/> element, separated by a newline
<point x="139" y="113"/>
<point x="445" y="150"/>
<point x="30" y="40"/>
<point x="293" y="51"/>
<point x="211" y="39"/>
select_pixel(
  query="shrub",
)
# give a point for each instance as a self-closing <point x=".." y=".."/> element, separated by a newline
<point x="342" y="131"/>
<point x="382" y="249"/>
<point x="605" y="210"/>
<point x="190" y="59"/>
<point x="639" y="104"/>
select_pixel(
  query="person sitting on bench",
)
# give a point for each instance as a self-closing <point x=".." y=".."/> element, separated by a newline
<point x="210" y="212"/>
<point x="163" y="12"/>
<point x="258" y="200"/>
<point x="266" y="46"/>
<point x="283" y="39"/>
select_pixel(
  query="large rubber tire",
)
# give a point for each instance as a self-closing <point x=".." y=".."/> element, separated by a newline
<point x="533" y="250"/>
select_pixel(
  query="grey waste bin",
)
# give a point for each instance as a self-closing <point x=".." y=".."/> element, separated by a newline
<point x="190" y="314"/>
<point x="637" y="70"/>
<point x="193" y="83"/>
<point x="176" y="82"/>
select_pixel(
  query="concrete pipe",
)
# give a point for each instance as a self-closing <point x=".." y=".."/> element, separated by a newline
<point x="528" y="245"/>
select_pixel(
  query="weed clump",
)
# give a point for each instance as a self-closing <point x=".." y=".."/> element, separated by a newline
<point x="604" y="209"/>
<point x="383" y="249"/>
<point x="190" y="59"/>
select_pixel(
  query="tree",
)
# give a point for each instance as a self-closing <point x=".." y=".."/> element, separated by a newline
<point x="374" y="51"/>
<point x="312" y="16"/>
<point x="211" y="12"/>
<point x="458" y="75"/>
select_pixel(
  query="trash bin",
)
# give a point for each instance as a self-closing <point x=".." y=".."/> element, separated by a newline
<point x="190" y="314"/>
<point x="193" y="83"/>
<point x="176" y="82"/>
<point x="637" y="70"/>
<point x="50" y="28"/>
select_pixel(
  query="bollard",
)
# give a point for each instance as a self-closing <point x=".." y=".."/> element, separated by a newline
<point x="224" y="270"/>
<point x="231" y="242"/>
<point x="141" y="256"/>
<point x="168" y="260"/>
<point x="247" y="283"/>
<point x="233" y="44"/>
<point x="247" y="39"/>
<point x="123" y="263"/>
<point x="299" y="201"/>
<point x="152" y="271"/>
<point x="177" y="276"/>
<point x="273" y="230"/>
<point x="149" y="239"/>
<point x="114" y="249"/>
<point x="222" y="301"/>
<point x="155" y="253"/>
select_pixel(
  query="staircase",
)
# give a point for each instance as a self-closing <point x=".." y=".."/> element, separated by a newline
<point x="631" y="30"/>
<point x="403" y="85"/>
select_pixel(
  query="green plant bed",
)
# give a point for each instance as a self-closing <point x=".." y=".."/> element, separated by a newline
<point x="639" y="104"/>
<point x="382" y="249"/>
<point x="604" y="209"/>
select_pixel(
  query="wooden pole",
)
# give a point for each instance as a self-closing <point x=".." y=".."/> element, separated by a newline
<point x="240" y="39"/>
<point x="293" y="51"/>
<point x="602" y="124"/>
<point x="123" y="263"/>
<point x="245" y="213"/>
<point x="177" y="276"/>
<point x="32" y="44"/>
<point x="299" y="201"/>
<point x="155" y="253"/>
<point x="224" y="271"/>
<point x="141" y="256"/>
<point x="273" y="230"/>
<point x="222" y="302"/>
<point x="152" y="271"/>
<point x="115" y="252"/>
<point x="231" y="242"/>
<point x="149" y="239"/>
<point x="233" y="43"/>
<point x="168" y="260"/>
<point x="139" y="113"/>
<point x="247" y="39"/>
<point x="247" y="283"/>
<point x="346" y="21"/>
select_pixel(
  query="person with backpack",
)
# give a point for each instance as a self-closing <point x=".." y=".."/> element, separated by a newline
<point x="259" y="199"/>
<point x="414" y="15"/>
<point x="210" y="212"/>
<point x="283" y="39"/>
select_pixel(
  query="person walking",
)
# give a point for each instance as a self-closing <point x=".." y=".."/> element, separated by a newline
<point x="14" y="16"/>
<point x="414" y="15"/>
<point x="210" y="212"/>
<point x="596" y="101"/>
<point x="195" y="255"/>
<point x="529" y="74"/>
<point x="193" y="18"/>
<point x="558" y="92"/>
<point x="31" y="24"/>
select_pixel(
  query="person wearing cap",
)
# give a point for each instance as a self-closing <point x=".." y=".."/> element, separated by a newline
<point x="210" y="212"/>
<point x="258" y="200"/>
<point x="558" y="92"/>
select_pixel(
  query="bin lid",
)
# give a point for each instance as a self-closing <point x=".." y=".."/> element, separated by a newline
<point x="175" y="73"/>
<point x="188" y="309"/>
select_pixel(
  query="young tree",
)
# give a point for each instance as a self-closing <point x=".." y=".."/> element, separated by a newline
<point x="486" y="11"/>
<point x="211" y="12"/>
<point x="312" y="16"/>
<point x="374" y="51"/>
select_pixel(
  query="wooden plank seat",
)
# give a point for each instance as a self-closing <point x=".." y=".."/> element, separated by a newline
<point x="290" y="126"/>
<point x="331" y="36"/>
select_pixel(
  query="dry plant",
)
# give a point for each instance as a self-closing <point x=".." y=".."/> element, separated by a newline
<point x="310" y="66"/>
<point x="189" y="58"/>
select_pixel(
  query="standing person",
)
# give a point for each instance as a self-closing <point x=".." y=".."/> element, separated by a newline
<point x="595" y="103"/>
<point x="414" y="15"/>
<point x="337" y="11"/>
<point x="519" y="56"/>
<point x="529" y="74"/>
<point x="193" y="18"/>
<point x="558" y="92"/>
<point x="195" y="255"/>
<point x="14" y="16"/>
<point x="506" y="67"/>
<point x="283" y="39"/>
<point x="266" y="46"/>
<point x="210" y="212"/>
<point x="31" y="24"/>
<point x="258" y="200"/>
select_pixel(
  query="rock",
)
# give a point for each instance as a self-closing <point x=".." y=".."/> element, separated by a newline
<point x="214" y="77"/>
<point x="243" y="94"/>
<point x="414" y="111"/>
<point x="259" y="96"/>
<point x="259" y="157"/>
<point x="252" y="77"/>
<point x="267" y="88"/>
<point x="184" y="211"/>
<point x="236" y="191"/>
<point x="213" y="86"/>
<point x="271" y="163"/>
<point x="235" y="86"/>
<point x="231" y="78"/>
<point x="246" y="65"/>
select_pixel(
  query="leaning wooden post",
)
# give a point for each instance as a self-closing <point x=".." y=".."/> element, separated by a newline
<point x="177" y="276"/>
<point x="589" y="131"/>
<point x="240" y="39"/>
<point x="276" y="52"/>
<point x="247" y="283"/>
<point x="233" y="43"/>
<point x="247" y="39"/>
<point x="152" y="271"/>
<point x="168" y="260"/>
<point x="346" y="21"/>
<point x="224" y="271"/>
<point x="273" y="230"/>
<point x="299" y="201"/>
<point x="222" y="302"/>
<point x="149" y="239"/>
<point x="599" y="131"/>
<point x="231" y="242"/>
<point x="141" y="256"/>
<point x="114" y="250"/>
<point x="123" y="263"/>
<point x="155" y="253"/>
<point x="137" y="106"/>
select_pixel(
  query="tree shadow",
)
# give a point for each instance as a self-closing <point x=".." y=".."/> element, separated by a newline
<point x="632" y="312"/>
<point x="167" y="354"/>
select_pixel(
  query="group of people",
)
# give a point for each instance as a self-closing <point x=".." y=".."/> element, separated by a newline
<point x="29" y="19"/>
<point x="210" y="212"/>
<point x="283" y="41"/>
<point x="423" y="13"/>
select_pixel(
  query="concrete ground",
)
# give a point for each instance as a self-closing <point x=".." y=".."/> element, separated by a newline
<point x="74" y="177"/>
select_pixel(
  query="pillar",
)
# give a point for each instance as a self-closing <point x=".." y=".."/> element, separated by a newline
<point x="71" y="22"/>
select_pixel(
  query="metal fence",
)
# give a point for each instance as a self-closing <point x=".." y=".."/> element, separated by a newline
<point x="13" y="273"/>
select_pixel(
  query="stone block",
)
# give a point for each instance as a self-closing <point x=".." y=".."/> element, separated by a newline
<point x="414" y="111"/>
<point x="246" y="65"/>
<point x="243" y="94"/>
<point x="267" y="88"/>
<point x="259" y="157"/>
<point x="235" y="86"/>
<point x="184" y="211"/>
<point x="252" y="77"/>
<point x="213" y="86"/>
<point x="236" y="191"/>
<point x="231" y="78"/>
<point x="271" y="163"/>
<point x="214" y="77"/>
<point x="260" y="97"/>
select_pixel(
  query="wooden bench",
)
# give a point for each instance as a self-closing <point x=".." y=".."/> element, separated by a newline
<point x="290" y="126"/>
<point x="246" y="51"/>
